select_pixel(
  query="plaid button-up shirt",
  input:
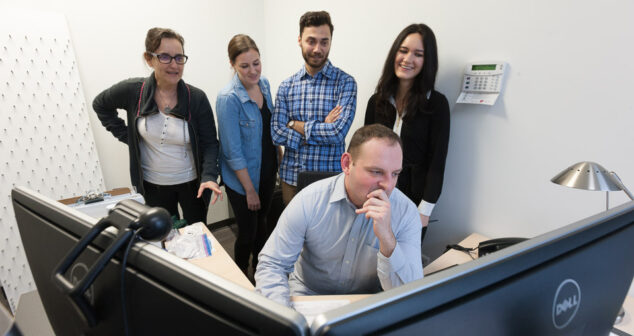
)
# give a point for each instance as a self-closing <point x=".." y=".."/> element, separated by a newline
<point x="307" y="98"/>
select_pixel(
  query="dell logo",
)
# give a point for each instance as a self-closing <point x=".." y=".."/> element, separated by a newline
<point x="566" y="303"/>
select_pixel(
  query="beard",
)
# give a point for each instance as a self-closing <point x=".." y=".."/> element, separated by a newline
<point x="315" y="60"/>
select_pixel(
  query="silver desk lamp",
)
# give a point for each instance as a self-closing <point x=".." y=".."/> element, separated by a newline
<point x="592" y="176"/>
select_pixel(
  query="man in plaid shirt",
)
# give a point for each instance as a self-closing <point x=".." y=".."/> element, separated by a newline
<point x="314" y="107"/>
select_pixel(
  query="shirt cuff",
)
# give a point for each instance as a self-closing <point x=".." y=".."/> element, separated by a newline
<point x="392" y="264"/>
<point x="425" y="208"/>
<point x="293" y="139"/>
<point x="308" y="128"/>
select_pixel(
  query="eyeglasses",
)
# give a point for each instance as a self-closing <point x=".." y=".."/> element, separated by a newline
<point x="167" y="59"/>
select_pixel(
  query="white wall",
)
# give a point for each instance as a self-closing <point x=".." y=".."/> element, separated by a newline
<point x="566" y="99"/>
<point x="108" y="38"/>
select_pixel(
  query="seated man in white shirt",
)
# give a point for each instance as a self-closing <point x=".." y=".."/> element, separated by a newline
<point x="353" y="233"/>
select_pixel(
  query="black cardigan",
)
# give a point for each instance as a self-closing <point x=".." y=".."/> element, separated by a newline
<point x="193" y="106"/>
<point x="425" y="141"/>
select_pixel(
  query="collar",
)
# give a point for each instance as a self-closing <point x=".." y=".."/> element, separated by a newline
<point x="148" y="105"/>
<point x="339" y="190"/>
<point x="241" y="91"/>
<point x="403" y="113"/>
<point x="328" y="70"/>
<point x="393" y="102"/>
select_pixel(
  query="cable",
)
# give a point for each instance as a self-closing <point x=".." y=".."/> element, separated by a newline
<point x="123" y="267"/>
<point x="466" y="250"/>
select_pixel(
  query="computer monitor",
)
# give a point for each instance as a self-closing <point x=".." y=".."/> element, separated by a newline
<point x="570" y="281"/>
<point x="165" y="294"/>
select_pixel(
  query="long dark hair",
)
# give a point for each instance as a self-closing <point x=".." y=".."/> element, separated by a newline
<point x="416" y="98"/>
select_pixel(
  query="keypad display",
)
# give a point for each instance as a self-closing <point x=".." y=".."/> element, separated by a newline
<point x="476" y="83"/>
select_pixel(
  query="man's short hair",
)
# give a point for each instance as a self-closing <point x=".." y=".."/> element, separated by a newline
<point x="369" y="132"/>
<point x="315" y="19"/>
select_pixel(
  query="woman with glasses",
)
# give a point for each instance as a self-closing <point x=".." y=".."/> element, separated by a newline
<point x="248" y="159"/>
<point x="170" y="130"/>
<point x="406" y="101"/>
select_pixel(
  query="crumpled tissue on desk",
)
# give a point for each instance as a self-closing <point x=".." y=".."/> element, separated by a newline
<point x="190" y="243"/>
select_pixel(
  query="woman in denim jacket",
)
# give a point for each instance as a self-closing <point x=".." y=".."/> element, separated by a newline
<point x="248" y="158"/>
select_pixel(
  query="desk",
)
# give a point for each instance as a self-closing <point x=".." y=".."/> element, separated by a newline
<point x="221" y="264"/>
<point x="627" y="324"/>
<point x="101" y="208"/>
<point x="113" y="192"/>
<point x="455" y="257"/>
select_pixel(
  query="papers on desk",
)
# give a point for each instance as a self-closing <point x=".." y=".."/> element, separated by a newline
<point x="310" y="309"/>
<point x="100" y="209"/>
<point x="192" y="242"/>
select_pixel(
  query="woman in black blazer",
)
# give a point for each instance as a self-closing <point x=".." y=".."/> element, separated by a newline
<point x="405" y="100"/>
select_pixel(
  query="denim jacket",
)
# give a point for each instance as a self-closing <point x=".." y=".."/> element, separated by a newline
<point x="240" y="132"/>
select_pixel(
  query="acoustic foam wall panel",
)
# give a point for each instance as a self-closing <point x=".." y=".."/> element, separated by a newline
<point x="46" y="142"/>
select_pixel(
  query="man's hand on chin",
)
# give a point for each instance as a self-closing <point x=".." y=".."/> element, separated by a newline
<point x="377" y="207"/>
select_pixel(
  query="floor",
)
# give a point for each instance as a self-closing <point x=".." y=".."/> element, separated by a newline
<point x="3" y="299"/>
<point x="226" y="236"/>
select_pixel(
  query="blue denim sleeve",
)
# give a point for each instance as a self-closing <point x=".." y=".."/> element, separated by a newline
<point x="228" y="108"/>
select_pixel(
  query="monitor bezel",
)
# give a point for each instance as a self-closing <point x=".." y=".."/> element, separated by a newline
<point x="190" y="280"/>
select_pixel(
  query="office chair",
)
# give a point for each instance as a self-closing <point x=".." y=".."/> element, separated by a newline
<point x="305" y="178"/>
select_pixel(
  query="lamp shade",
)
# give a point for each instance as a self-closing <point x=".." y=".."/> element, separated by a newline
<point x="588" y="176"/>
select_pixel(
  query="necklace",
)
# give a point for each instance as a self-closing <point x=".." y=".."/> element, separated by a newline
<point x="166" y="106"/>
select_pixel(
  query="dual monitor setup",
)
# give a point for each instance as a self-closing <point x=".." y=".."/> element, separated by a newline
<point x="570" y="281"/>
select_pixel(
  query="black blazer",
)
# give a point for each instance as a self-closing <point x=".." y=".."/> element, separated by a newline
<point x="425" y="140"/>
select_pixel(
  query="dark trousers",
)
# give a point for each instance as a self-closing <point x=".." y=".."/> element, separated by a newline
<point x="253" y="227"/>
<point x="170" y="196"/>
<point x="288" y="192"/>
<point x="422" y="234"/>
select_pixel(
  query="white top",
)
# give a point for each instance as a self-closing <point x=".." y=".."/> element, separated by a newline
<point x="424" y="208"/>
<point x="166" y="151"/>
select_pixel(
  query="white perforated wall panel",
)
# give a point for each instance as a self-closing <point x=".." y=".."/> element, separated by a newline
<point x="46" y="142"/>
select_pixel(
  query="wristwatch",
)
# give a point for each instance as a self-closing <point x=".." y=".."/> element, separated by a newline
<point x="290" y="124"/>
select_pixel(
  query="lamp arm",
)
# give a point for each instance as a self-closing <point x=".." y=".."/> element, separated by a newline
<point x="618" y="181"/>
